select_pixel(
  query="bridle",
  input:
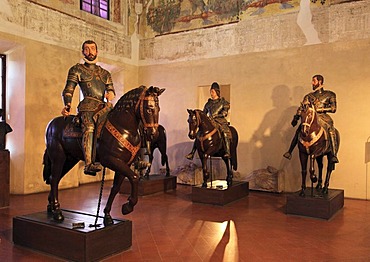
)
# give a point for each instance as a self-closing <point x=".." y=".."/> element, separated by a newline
<point x="140" y="104"/>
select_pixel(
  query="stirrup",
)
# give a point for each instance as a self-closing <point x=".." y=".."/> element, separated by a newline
<point x="227" y="155"/>
<point x="288" y="155"/>
<point x="190" y="156"/>
<point x="92" y="168"/>
<point x="334" y="159"/>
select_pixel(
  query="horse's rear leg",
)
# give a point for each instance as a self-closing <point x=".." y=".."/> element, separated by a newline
<point x="330" y="168"/>
<point x="229" y="175"/>
<point x="312" y="169"/>
<point x="303" y="186"/>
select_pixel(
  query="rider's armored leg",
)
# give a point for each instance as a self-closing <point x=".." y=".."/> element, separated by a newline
<point x="147" y="143"/>
<point x="190" y="156"/>
<point x="227" y="146"/>
<point x="294" y="142"/>
<point x="88" y="140"/>
<point x="333" y="144"/>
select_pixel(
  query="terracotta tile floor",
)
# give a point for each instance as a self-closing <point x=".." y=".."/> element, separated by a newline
<point x="169" y="227"/>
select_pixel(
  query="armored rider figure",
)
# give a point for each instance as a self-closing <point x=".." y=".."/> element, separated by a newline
<point x="217" y="108"/>
<point x="324" y="102"/>
<point x="96" y="85"/>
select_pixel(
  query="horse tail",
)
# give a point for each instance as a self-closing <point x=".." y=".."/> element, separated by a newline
<point x="47" y="168"/>
<point x="234" y="155"/>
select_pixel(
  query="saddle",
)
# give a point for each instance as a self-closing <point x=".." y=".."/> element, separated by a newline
<point x="74" y="130"/>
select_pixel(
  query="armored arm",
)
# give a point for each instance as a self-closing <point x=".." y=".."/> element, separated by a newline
<point x="225" y="109"/>
<point x="110" y="93"/>
<point x="330" y="105"/>
<point x="68" y="90"/>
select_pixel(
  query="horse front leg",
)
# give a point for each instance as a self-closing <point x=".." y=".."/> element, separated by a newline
<point x="117" y="182"/>
<point x="303" y="159"/>
<point x="147" y="172"/>
<point x="320" y="166"/>
<point x="205" y="171"/>
<point x="312" y="169"/>
<point x="134" y="195"/>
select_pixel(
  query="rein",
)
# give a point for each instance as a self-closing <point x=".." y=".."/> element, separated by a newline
<point x="207" y="136"/>
<point x="314" y="137"/>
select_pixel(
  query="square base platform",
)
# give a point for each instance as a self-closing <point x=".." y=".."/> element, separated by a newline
<point x="317" y="206"/>
<point x="39" y="232"/>
<point x="151" y="185"/>
<point x="218" y="193"/>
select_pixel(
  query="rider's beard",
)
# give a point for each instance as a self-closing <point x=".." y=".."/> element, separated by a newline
<point x="90" y="59"/>
<point x="314" y="87"/>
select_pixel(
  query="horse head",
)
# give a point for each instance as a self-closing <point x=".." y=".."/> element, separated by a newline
<point x="193" y="122"/>
<point x="148" y="109"/>
<point x="308" y="118"/>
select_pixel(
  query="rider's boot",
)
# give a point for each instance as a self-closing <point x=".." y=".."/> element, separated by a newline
<point x="90" y="167"/>
<point x="190" y="156"/>
<point x="333" y="145"/>
<point x="294" y="142"/>
<point x="227" y="147"/>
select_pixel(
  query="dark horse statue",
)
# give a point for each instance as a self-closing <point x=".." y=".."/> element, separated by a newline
<point x="117" y="145"/>
<point x="159" y="141"/>
<point x="313" y="144"/>
<point x="209" y="143"/>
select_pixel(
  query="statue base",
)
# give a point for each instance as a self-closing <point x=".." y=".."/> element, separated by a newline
<point x="39" y="232"/>
<point x="4" y="178"/>
<point x="218" y="193"/>
<point x="151" y="185"/>
<point x="317" y="205"/>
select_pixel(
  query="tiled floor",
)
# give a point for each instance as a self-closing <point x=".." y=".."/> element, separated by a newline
<point x="169" y="227"/>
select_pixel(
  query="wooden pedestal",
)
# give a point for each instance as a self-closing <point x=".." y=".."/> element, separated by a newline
<point x="218" y="193"/>
<point x="318" y="205"/>
<point x="151" y="185"/>
<point x="38" y="231"/>
<point x="4" y="178"/>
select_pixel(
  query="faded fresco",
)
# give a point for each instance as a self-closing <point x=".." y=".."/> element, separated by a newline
<point x="168" y="16"/>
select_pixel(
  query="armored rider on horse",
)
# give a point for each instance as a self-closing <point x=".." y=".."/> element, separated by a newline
<point x="217" y="108"/>
<point x="324" y="102"/>
<point x="96" y="85"/>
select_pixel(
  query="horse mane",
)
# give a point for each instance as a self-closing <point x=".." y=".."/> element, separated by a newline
<point x="129" y="99"/>
<point x="213" y="122"/>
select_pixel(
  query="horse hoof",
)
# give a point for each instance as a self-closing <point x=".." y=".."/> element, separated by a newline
<point x="325" y="190"/>
<point x="204" y="184"/>
<point x="318" y="187"/>
<point x="127" y="209"/>
<point x="313" y="179"/>
<point x="302" y="194"/>
<point x="58" y="216"/>
<point x="108" y="220"/>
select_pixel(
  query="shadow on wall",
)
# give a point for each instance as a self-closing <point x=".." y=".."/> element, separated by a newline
<point x="266" y="147"/>
<point x="273" y="136"/>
